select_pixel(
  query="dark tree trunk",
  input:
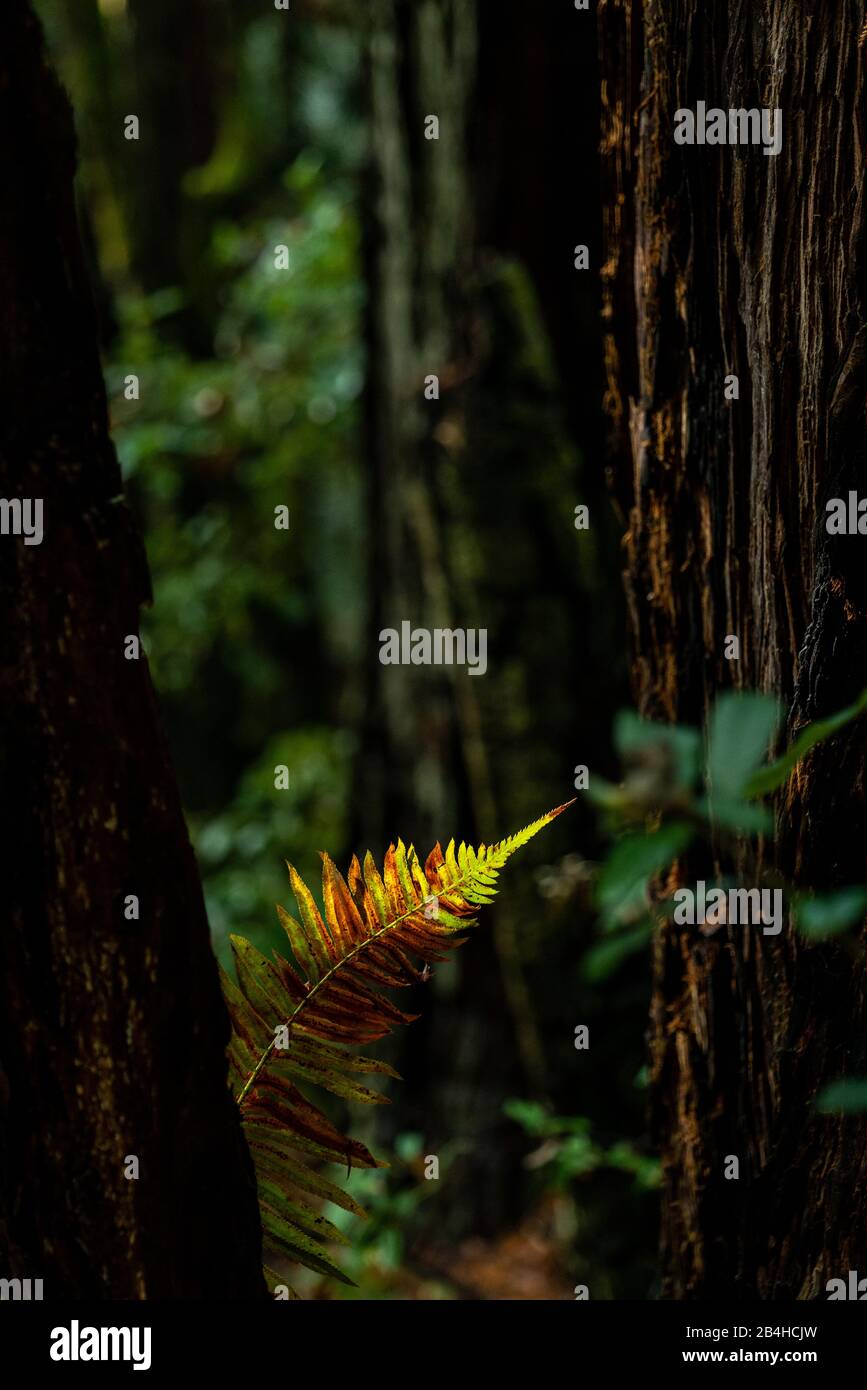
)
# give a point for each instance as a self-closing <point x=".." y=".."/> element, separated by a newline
<point x="112" y="1031"/>
<point x="720" y="261"/>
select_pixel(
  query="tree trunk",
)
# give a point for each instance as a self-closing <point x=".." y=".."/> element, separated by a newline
<point x="423" y="767"/>
<point x="721" y="260"/>
<point x="176" y="98"/>
<point x="471" y="507"/>
<point x="112" y="1029"/>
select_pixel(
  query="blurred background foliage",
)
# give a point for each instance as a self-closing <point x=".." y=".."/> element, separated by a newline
<point x="261" y="388"/>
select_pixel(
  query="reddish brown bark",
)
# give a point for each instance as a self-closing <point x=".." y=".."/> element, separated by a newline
<point x="722" y="260"/>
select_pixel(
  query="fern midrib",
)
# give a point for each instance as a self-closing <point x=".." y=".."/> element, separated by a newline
<point x="332" y="970"/>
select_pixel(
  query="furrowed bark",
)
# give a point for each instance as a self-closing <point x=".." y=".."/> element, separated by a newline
<point x="721" y="260"/>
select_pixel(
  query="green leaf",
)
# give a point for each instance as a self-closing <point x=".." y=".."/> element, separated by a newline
<point x="578" y="1155"/>
<point x="622" y="878"/>
<point x="647" y="1171"/>
<point x="767" y="779"/>
<point x="281" y="1235"/>
<point x="605" y="794"/>
<point x="602" y="960"/>
<point x="845" y="1097"/>
<point x="532" y="1117"/>
<point x="303" y="1219"/>
<point x="272" y="1153"/>
<point x="736" y="815"/>
<point x="741" y="727"/>
<point x="828" y="914"/>
<point x="684" y="743"/>
<point x="276" y="1281"/>
<point x="299" y="1062"/>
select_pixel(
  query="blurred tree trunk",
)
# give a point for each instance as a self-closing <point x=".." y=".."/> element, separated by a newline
<point x="97" y="123"/>
<point x="423" y="765"/>
<point x="419" y="229"/>
<point x="112" y="1031"/>
<point x="724" y="261"/>
<point x="177" y="76"/>
<point x="471" y="501"/>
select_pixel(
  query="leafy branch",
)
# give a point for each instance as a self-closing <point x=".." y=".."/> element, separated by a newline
<point x="679" y="789"/>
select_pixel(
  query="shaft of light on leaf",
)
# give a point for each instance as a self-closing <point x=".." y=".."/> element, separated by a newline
<point x="374" y="936"/>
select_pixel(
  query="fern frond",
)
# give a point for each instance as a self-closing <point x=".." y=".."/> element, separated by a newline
<point x="293" y="1020"/>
